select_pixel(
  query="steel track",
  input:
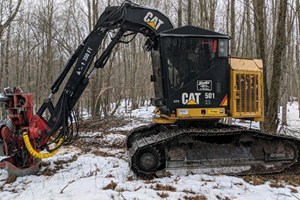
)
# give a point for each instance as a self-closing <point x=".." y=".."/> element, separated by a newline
<point x="157" y="136"/>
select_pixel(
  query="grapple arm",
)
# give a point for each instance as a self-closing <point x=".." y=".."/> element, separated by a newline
<point x="39" y="132"/>
<point x="128" y="17"/>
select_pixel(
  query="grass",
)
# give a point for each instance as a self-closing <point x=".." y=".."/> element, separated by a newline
<point x="163" y="195"/>
<point x="111" y="186"/>
<point x="197" y="197"/>
<point x="275" y="180"/>
<point x="165" y="187"/>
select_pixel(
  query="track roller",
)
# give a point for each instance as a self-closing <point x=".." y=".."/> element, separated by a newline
<point x="147" y="160"/>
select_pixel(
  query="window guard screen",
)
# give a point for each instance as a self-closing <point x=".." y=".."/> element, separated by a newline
<point x="187" y="58"/>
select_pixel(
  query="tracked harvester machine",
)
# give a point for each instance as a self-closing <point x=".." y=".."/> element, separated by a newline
<point x="196" y="84"/>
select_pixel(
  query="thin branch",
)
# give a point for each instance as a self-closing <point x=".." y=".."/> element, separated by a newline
<point x="11" y="18"/>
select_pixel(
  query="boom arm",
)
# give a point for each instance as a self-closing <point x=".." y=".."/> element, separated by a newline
<point x="124" y="18"/>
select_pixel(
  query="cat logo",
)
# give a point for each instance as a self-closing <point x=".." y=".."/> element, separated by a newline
<point x="190" y="98"/>
<point x="153" y="21"/>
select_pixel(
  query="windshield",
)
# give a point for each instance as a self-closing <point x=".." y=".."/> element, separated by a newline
<point x="187" y="58"/>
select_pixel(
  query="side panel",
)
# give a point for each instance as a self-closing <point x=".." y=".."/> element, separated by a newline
<point x="203" y="90"/>
<point x="246" y="89"/>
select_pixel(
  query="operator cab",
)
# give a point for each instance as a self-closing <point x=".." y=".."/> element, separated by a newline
<point x="190" y="69"/>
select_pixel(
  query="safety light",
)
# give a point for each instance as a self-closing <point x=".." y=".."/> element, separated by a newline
<point x="223" y="48"/>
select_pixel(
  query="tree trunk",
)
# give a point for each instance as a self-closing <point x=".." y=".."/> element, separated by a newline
<point x="284" y="92"/>
<point x="280" y="44"/>
<point x="189" y="12"/>
<point x="249" y="43"/>
<point x="179" y="13"/>
<point x="260" y="37"/>
<point x="212" y="16"/>
<point x="232" y="28"/>
<point x="6" y="59"/>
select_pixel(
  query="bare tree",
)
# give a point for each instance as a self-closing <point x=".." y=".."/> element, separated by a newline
<point x="232" y="27"/>
<point x="280" y="44"/>
<point x="35" y="48"/>
<point x="179" y="13"/>
<point x="11" y="16"/>
<point x="189" y="12"/>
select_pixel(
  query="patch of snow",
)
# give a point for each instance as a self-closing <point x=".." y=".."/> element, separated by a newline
<point x="293" y="121"/>
<point x="89" y="177"/>
<point x="77" y="175"/>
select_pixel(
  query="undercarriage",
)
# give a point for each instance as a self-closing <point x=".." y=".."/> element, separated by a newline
<point x="157" y="150"/>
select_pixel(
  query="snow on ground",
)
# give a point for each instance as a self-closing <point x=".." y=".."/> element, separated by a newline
<point x="293" y="125"/>
<point x="96" y="168"/>
<point x="140" y="116"/>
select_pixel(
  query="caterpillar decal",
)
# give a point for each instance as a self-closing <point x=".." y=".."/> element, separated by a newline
<point x="153" y="21"/>
<point x="191" y="98"/>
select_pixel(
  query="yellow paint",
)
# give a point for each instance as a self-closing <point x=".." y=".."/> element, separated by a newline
<point x="191" y="102"/>
<point x="192" y="114"/>
<point x="224" y="101"/>
<point x="152" y="24"/>
<point x="197" y="112"/>
<point x="246" y="64"/>
<point x="36" y="154"/>
<point x="161" y="120"/>
<point x="246" y="89"/>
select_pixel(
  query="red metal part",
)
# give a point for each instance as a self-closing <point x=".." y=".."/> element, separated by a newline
<point x="20" y="108"/>
<point x="38" y="128"/>
<point x="215" y="46"/>
<point x="20" y="102"/>
<point x="7" y="138"/>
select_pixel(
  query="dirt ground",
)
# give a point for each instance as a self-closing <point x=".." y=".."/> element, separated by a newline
<point x="105" y="126"/>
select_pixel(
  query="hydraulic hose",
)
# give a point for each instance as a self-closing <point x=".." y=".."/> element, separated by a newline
<point x="36" y="154"/>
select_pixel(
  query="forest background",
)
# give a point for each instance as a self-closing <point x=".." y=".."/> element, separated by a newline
<point x="38" y="37"/>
